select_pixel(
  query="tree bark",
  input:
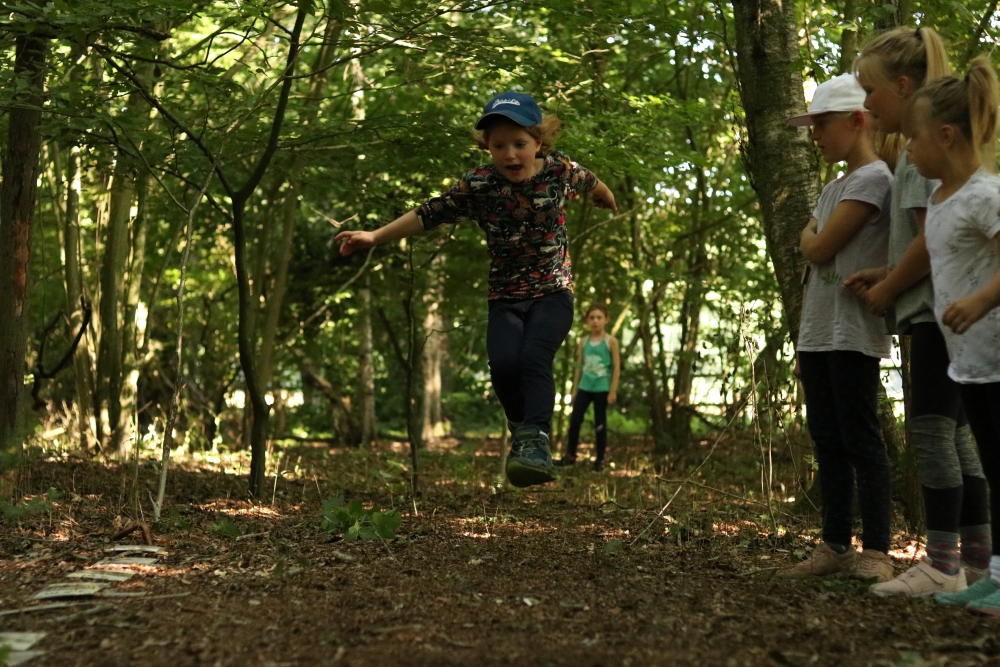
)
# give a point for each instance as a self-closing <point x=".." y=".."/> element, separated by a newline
<point x="779" y="158"/>
<point x="17" y="209"/>
<point x="366" y="369"/>
<point x="433" y="353"/>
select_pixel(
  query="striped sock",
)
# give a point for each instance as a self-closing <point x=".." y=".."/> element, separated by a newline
<point x="942" y="549"/>
<point x="977" y="546"/>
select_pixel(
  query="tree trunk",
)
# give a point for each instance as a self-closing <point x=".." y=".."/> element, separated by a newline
<point x="779" y="158"/>
<point x="132" y="330"/>
<point x="433" y="353"/>
<point x="17" y="208"/>
<point x="681" y="411"/>
<point x="74" y="292"/>
<point x="366" y="370"/>
<point x="849" y="37"/>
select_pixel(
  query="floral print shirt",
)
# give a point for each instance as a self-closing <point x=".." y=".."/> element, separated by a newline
<point x="525" y="224"/>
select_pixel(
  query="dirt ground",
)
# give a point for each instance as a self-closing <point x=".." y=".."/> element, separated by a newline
<point x="582" y="572"/>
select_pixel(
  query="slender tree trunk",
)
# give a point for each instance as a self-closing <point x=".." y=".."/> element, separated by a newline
<point x="779" y="158"/>
<point x="17" y="208"/>
<point x="366" y="370"/>
<point x="74" y="292"/>
<point x="687" y="353"/>
<point x="849" y="36"/>
<point x="132" y="330"/>
<point x="433" y="354"/>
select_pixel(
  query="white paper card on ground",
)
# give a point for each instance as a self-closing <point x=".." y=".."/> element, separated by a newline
<point x="120" y="594"/>
<point x="102" y="575"/>
<point x="20" y="641"/>
<point x="20" y="657"/>
<point x="124" y="562"/>
<point x="68" y="590"/>
<point x="137" y="548"/>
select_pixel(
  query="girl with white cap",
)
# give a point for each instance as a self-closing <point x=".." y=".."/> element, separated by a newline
<point x="519" y="202"/>
<point x="840" y="341"/>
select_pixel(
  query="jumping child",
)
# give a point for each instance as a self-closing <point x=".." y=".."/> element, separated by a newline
<point x="519" y="202"/>
<point x="840" y="342"/>
<point x="952" y="126"/>
<point x="891" y="69"/>
<point x="595" y="381"/>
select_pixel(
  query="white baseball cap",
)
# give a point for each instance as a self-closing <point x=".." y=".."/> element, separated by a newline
<point x="841" y="93"/>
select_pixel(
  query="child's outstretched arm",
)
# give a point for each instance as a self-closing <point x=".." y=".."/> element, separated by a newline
<point x="616" y="370"/>
<point x="847" y="218"/>
<point x="963" y="313"/>
<point x="405" y="225"/>
<point x="912" y="267"/>
<point x="603" y="197"/>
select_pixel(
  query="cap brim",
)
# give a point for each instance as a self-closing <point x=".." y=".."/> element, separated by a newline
<point x="805" y="120"/>
<point x="520" y="119"/>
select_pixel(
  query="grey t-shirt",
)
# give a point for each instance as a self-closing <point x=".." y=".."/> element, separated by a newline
<point x="909" y="191"/>
<point x="832" y="317"/>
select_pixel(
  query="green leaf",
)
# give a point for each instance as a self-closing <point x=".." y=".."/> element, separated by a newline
<point x="611" y="547"/>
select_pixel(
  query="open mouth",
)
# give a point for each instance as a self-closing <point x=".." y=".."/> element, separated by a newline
<point x="515" y="170"/>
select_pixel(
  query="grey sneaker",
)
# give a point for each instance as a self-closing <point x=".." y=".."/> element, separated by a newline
<point x="529" y="461"/>
<point x="823" y="562"/>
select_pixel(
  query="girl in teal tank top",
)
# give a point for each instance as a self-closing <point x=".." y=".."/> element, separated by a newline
<point x="596" y="381"/>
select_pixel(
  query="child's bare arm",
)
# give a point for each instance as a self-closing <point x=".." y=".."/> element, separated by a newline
<point x="913" y="266"/>
<point x="603" y="197"/>
<point x="616" y="369"/>
<point x="963" y="313"/>
<point x="405" y="225"/>
<point x="847" y="218"/>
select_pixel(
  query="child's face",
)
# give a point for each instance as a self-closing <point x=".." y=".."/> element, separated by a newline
<point x="596" y="320"/>
<point x="513" y="151"/>
<point x="926" y="148"/>
<point x="886" y="101"/>
<point x="834" y="135"/>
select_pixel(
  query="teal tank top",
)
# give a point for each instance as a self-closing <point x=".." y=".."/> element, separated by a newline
<point x="596" y="375"/>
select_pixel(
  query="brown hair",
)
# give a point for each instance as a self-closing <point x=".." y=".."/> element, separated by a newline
<point x="969" y="104"/>
<point x="598" y="306"/>
<point x="546" y="131"/>
<point x="918" y="54"/>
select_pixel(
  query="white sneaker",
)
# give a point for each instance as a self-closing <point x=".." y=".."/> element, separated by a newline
<point x="922" y="580"/>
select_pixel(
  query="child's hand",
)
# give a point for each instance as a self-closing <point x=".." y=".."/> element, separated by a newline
<point x="963" y="313"/>
<point x="878" y="299"/>
<point x="612" y="397"/>
<point x="859" y="283"/>
<point x="603" y="197"/>
<point x="354" y="240"/>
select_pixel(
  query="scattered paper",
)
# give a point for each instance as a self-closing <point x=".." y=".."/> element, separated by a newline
<point x="102" y="575"/>
<point x="120" y="594"/>
<point x="68" y="590"/>
<point x="20" y="641"/>
<point x="124" y="562"/>
<point x="137" y="548"/>
<point x="19" y="657"/>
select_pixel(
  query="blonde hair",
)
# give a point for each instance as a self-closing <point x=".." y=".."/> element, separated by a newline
<point x="545" y="132"/>
<point x="919" y="55"/>
<point x="969" y="104"/>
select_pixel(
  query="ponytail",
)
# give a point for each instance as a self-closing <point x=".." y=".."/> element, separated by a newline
<point x="919" y="55"/>
<point x="969" y="104"/>
<point x="984" y="98"/>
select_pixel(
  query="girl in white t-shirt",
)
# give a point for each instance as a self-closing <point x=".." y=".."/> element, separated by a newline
<point x="952" y="128"/>
<point x="840" y="341"/>
<point x="891" y="68"/>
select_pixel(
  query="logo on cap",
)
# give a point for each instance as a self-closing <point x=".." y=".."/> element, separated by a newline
<point x="508" y="100"/>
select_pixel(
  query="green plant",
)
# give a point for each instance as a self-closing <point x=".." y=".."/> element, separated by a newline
<point x="226" y="528"/>
<point x="42" y="504"/>
<point x="356" y="522"/>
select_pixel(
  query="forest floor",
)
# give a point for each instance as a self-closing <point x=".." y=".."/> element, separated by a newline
<point x="582" y="572"/>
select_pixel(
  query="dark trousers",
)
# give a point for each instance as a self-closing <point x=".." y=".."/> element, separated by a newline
<point x="522" y="339"/>
<point x="580" y="404"/>
<point x="963" y="500"/>
<point x="842" y="409"/>
<point x="982" y="406"/>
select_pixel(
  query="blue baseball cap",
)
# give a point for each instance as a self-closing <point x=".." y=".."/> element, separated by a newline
<point x="518" y="107"/>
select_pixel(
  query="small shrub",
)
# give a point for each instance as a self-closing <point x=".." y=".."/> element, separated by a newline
<point x="355" y="522"/>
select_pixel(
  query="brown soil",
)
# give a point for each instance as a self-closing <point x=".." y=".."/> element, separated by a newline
<point x="553" y="577"/>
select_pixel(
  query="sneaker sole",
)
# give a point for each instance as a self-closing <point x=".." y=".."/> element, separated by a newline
<point x="521" y="475"/>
